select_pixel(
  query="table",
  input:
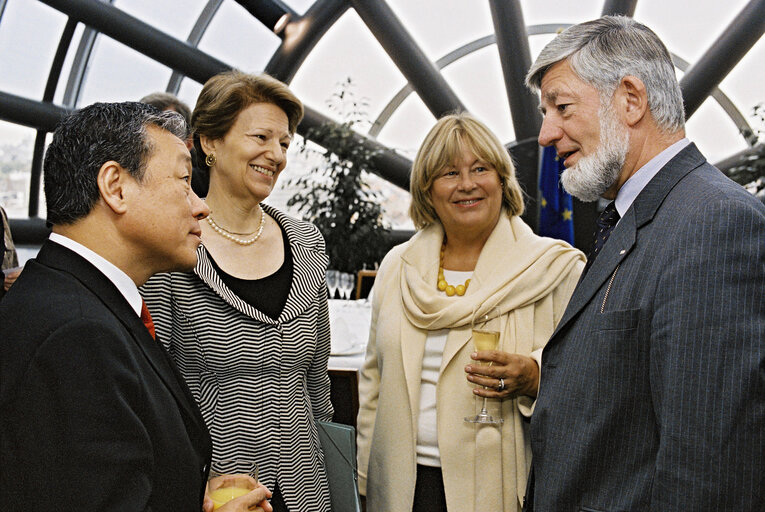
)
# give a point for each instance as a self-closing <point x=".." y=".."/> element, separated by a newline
<point x="349" y="323"/>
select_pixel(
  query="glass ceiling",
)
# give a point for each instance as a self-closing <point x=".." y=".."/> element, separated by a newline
<point x="30" y="32"/>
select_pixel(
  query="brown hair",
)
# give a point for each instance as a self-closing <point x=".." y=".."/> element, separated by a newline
<point x="226" y="94"/>
<point x="442" y="145"/>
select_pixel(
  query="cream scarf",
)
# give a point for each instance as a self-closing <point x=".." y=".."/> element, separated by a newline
<point x="516" y="268"/>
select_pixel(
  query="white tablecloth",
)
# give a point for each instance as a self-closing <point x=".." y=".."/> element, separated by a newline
<point x="349" y="323"/>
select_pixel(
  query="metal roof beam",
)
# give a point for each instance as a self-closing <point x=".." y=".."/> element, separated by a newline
<point x="176" y="54"/>
<point x="50" y="91"/>
<point x="200" y="27"/>
<point x="272" y="13"/>
<point x="737" y="39"/>
<point x="142" y="37"/>
<point x="31" y="113"/>
<point x="45" y="116"/>
<point x="623" y="7"/>
<point x="515" y="59"/>
<point x="420" y="71"/>
<point x="390" y="165"/>
<point x="300" y="37"/>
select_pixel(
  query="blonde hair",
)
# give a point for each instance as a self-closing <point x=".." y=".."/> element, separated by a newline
<point x="442" y="145"/>
<point x="226" y="94"/>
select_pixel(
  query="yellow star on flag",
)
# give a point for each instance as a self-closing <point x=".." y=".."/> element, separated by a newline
<point x="544" y="202"/>
<point x="566" y="214"/>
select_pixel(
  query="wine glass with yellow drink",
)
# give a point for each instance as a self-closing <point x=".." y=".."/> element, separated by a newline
<point x="486" y="331"/>
<point x="231" y="479"/>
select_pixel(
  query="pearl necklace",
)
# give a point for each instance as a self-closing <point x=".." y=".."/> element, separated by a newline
<point x="442" y="285"/>
<point x="230" y="236"/>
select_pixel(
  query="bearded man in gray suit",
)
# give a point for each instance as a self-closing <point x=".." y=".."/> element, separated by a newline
<point x="652" y="392"/>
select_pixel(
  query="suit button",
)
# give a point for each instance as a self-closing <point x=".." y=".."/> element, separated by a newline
<point x="205" y="469"/>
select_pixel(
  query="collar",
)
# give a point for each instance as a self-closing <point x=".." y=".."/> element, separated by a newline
<point x="124" y="284"/>
<point x="637" y="182"/>
<point x="309" y="265"/>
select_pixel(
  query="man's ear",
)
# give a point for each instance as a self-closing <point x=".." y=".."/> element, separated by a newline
<point x="112" y="182"/>
<point x="634" y="99"/>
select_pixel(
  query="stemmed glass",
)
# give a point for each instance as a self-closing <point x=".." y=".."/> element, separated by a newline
<point x="333" y="277"/>
<point x="486" y="331"/>
<point x="346" y="284"/>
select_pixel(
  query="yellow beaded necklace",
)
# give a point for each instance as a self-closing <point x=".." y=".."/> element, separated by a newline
<point x="442" y="285"/>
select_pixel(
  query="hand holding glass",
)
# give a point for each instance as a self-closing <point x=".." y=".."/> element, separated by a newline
<point x="230" y="479"/>
<point x="486" y="331"/>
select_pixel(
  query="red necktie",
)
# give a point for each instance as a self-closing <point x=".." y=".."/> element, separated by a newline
<point x="146" y="319"/>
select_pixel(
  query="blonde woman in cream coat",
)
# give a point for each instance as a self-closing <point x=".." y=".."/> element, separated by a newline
<point x="420" y="377"/>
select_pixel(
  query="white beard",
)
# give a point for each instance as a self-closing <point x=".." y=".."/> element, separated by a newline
<point x="592" y="175"/>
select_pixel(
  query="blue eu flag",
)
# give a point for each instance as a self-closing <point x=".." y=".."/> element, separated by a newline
<point x="556" y="215"/>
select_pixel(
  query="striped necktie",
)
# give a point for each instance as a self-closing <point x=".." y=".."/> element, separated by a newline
<point x="606" y="222"/>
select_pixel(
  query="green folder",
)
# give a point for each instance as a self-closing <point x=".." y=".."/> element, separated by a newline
<point x="338" y="441"/>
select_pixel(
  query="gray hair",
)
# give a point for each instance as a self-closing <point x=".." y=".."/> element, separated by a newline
<point x="167" y="101"/>
<point x="603" y="51"/>
<point x="91" y="136"/>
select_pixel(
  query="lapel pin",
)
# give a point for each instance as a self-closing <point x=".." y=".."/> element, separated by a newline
<point x="622" y="251"/>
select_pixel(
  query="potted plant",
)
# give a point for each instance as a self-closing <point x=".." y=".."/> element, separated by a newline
<point x="335" y="194"/>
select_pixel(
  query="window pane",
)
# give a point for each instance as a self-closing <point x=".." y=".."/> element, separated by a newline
<point x="118" y="73"/>
<point x="29" y="36"/>
<point x="189" y="92"/>
<point x="16" y="144"/>
<point x="239" y="39"/>
<point x="174" y="17"/>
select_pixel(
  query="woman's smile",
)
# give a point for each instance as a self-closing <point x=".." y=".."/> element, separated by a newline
<point x="262" y="170"/>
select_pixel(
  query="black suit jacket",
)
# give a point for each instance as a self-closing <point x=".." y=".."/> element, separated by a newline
<point x="2" y="253"/>
<point x="93" y="414"/>
<point x="652" y="396"/>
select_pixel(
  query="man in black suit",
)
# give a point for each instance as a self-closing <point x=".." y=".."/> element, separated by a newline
<point x="93" y="413"/>
<point x="652" y="391"/>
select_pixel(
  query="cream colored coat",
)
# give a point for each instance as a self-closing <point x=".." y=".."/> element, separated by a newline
<point x="484" y="467"/>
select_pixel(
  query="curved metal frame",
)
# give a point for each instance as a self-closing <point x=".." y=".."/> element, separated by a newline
<point x="50" y="91"/>
<point x="625" y="7"/>
<point x="195" y="36"/>
<point x="274" y="14"/>
<point x="463" y="51"/>
<point x="302" y="34"/>
<point x="720" y="58"/>
<point x="80" y="65"/>
<point x="410" y="59"/>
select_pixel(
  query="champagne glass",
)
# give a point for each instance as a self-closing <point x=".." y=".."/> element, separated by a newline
<point x="346" y="284"/>
<point x="228" y="482"/>
<point x="486" y="331"/>
<point x="332" y="282"/>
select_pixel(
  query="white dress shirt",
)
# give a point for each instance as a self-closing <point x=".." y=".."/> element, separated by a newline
<point x="124" y="284"/>
<point x="637" y="182"/>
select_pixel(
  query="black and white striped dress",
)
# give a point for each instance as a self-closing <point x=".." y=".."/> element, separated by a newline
<point x="261" y="383"/>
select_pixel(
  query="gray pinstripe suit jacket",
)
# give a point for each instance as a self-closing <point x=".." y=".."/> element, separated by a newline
<point x="652" y="395"/>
